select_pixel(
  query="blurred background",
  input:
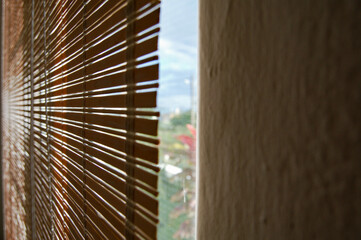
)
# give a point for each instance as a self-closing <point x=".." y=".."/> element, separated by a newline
<point x="177" y="102"/>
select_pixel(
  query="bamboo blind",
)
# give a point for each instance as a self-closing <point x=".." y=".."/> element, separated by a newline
<point x="80" y="140"/>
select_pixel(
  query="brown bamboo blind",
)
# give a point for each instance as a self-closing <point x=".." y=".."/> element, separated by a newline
<point x="80" y="140"/>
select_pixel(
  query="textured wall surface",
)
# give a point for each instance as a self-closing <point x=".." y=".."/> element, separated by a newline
<point x="280" y="120"/>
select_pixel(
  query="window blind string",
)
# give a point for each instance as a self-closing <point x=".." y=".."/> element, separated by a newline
<point x="83" y="124"/>
<point x="32" y="159"/>
<point x="47" y="125"/>
<point x="129" y="144"/>
<point x="63" y="125"/>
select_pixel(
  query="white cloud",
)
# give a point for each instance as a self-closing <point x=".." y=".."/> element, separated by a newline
<point x="177" y="56"/>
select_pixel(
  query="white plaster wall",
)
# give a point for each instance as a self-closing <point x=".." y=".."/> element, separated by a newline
<point x="280" y="120"/>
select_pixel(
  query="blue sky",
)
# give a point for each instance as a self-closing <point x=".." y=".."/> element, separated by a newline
<point x="178" y="53"/>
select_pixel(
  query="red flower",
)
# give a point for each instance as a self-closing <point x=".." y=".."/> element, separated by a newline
<point x="190" y="141"/>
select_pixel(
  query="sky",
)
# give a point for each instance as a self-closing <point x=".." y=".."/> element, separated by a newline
<point x="178" y="54"/>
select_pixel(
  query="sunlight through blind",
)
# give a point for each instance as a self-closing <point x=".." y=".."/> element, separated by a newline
<point x="80" y="139"/>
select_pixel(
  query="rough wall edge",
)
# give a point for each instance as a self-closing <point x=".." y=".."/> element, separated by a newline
<point x="2" y="212"/>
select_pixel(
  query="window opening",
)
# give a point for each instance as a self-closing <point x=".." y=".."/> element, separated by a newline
<point x="177" y="103"/>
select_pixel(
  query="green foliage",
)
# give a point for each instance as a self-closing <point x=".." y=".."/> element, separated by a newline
<point x="176" y="192"/>
<point x="181" y="119"/>
<point x="167" y="225"/>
